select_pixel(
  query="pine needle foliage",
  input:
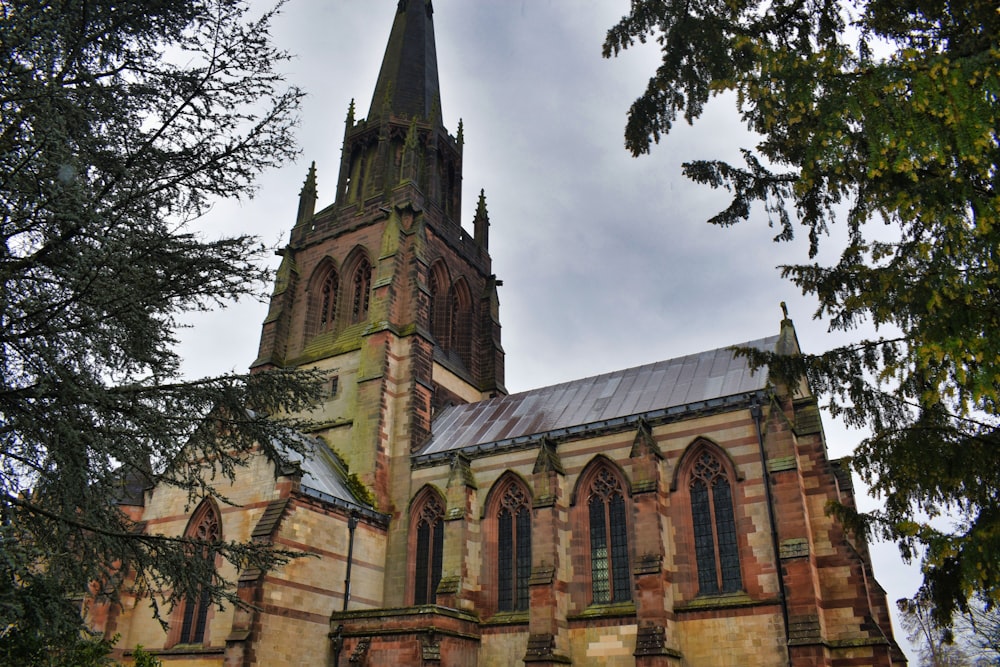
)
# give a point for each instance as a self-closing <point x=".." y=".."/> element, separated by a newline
<point x="120" y="124"/>
<point x="882" y="116"/>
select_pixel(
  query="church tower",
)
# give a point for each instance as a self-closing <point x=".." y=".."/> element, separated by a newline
<point x="383" y="288"/>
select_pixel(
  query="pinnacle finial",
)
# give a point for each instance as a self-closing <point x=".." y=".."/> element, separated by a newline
<point x="481" y="223"/>
<point x="307" y="196"/>
<point x="350" y="114"/>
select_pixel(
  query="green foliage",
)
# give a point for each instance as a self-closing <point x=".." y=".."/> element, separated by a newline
<point x="120" y="123"/>
<point x="143" y="658"/>
<point x="885" y="114"/>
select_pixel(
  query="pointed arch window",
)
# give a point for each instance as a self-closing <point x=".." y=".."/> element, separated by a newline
<point x="429" y="550"/>
<point x="205" y="527"/>
<point x="610" y="577"/>
<point x="513" y="518"/>
<point x="436" y="282"/>
<point x="433" y="288"/>
<point x="361" y="291"/>
<point x="328" y="301"/>
<point x="460" y="321"/>
<point x="454" y="308"/>
<point x="716" y="548"/>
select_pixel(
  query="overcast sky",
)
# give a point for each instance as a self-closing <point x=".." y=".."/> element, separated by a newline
<point x="607" y="261"/>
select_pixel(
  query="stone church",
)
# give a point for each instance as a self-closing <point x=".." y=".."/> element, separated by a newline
<point x="667" y="515"/>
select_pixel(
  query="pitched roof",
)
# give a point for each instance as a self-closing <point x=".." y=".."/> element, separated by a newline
<point x="323" y="478"/>
<point x="682" y="383"/>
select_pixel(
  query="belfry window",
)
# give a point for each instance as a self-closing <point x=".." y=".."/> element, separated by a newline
<point x="513" y="549"/>
<point x="361" y="291"/>
<point x="205" y="527"/>
<point x="609" y="567"/>
<point x="716" y="548"/>
<point x="429" y="549"/>
<point x="454" y="306"/>
<point x="328" y="302"/>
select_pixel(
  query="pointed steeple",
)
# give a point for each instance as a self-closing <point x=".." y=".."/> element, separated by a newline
<point x="408" y="81"/>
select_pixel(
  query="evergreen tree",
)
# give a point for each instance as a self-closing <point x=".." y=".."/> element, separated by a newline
<point x="120" y="123"/>
<point x="884" y="114"/>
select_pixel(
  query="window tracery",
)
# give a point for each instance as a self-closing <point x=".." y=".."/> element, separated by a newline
<point x="609" y="565"/>
<point x="361" y="291"/>
<point x="429" y="549"/>
<point x="328" y="303"/>
<point x="513" y="549"/>
<point x="716" y="547"/>
<point x="206" y="527"/>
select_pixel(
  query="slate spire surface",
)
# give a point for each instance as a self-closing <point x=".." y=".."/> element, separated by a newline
<point x="407" y="84"/>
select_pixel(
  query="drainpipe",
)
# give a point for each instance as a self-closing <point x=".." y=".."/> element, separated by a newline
<point x="352" y="523"/>
<point x="337" y="639"/>
<point x="758" y="415"/>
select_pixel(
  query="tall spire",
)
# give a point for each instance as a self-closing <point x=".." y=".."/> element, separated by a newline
<point x="408" y="81"/>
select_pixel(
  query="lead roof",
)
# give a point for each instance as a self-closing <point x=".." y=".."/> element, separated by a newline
<point x="685" y="381"/>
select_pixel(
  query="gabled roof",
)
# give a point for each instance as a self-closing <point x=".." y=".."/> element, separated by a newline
<point x="323" y="478"/>
<point x="681" y="384"/>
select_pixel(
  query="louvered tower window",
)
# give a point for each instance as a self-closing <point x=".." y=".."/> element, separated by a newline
<point x="361" y="291"/>
<point x="328" y="306"/>
<point x="716" y="549"/>
<point x="430" y="546"/>
<point x="609" y="567"/>
<point x="513" y="550"/>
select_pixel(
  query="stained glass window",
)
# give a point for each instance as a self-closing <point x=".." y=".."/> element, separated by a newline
<point x="430" y="546"/>
<point x="610" y="577"/>
<point x="513" y="549"/>
<point x="715" y="545"/>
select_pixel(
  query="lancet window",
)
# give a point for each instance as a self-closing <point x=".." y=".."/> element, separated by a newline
<point x="716" y="548"/>
<point x="513" y="518"/>
<point x="361" y="291"/>
<point x="609" y="564"/>
<point x="429" y="526"/>
<point x="205" y="527"/>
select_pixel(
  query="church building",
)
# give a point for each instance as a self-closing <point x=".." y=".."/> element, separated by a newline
<point x="672" y="514"/>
